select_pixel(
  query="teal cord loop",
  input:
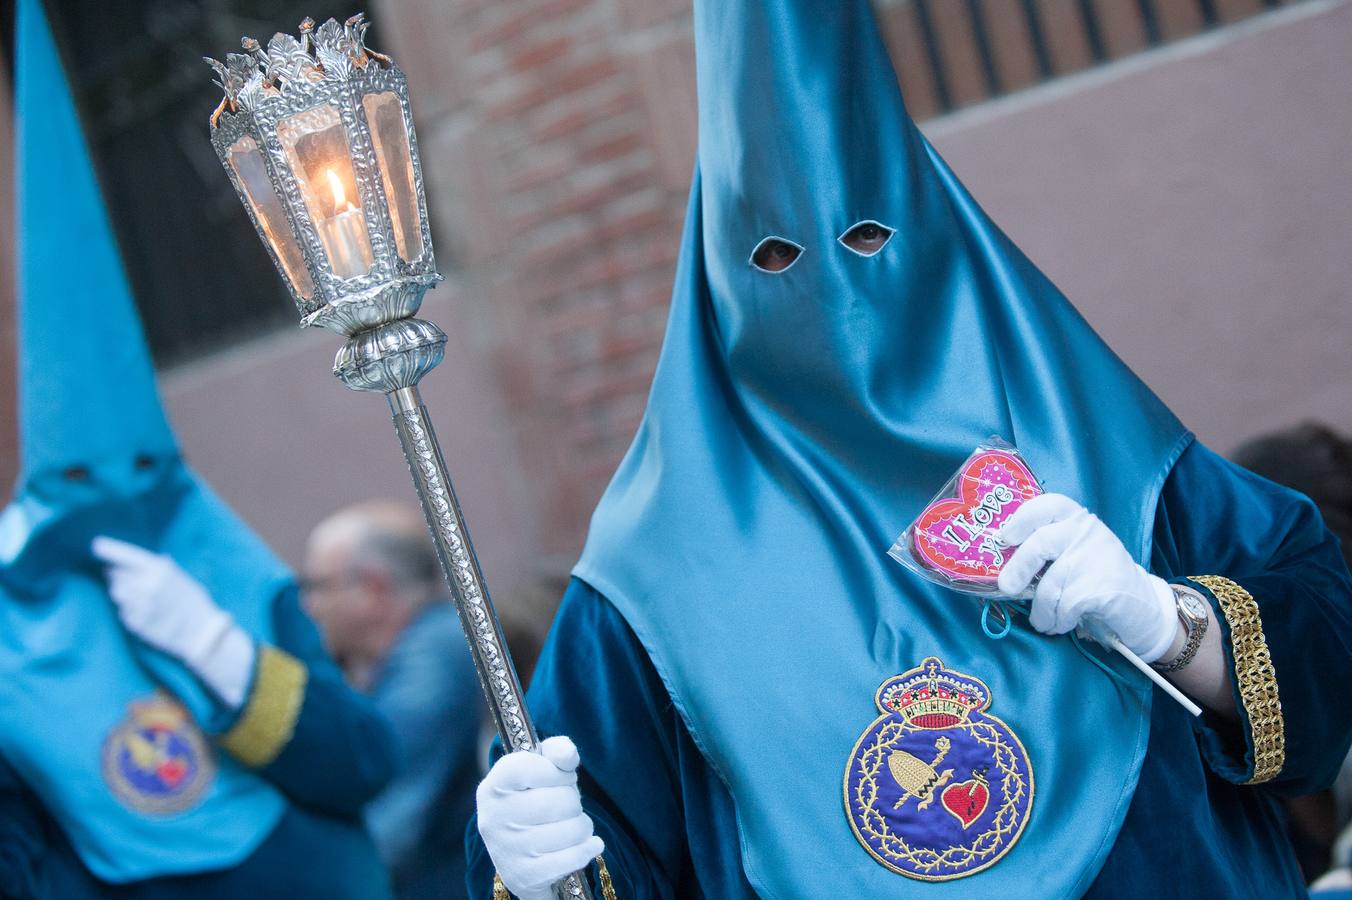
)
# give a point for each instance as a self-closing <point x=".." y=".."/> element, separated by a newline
<point x="1006" y="620"/>
<point x="1004" y="607"/>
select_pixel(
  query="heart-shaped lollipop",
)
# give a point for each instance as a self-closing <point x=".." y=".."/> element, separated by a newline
<point x="956" y="535"/>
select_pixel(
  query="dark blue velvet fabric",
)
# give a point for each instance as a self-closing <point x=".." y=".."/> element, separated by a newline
<point x="339" y="756"/>
<point x="342" y="751"/>
<point x="1191" y="830"/>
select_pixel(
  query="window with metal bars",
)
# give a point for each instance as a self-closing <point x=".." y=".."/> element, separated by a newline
<point x="197" y="270"/>
<point x="952" y="53"/>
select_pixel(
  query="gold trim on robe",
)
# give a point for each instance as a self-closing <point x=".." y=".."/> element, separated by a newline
<point x="269" y="717"/>
<point x="1254" y="675"/>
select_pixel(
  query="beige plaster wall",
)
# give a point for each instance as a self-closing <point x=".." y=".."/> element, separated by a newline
<point x="1196" y="205"/>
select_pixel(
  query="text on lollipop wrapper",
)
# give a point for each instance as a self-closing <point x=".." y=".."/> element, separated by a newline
<point x="956" y="540"/>
<point x="992" y="504"/>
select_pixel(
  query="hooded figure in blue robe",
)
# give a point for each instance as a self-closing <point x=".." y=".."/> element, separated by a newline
<point x="846" y="326"/>
<point x="121" y="765"/>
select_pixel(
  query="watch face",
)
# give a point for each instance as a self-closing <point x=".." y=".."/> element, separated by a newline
<point x="1192" y="605"/>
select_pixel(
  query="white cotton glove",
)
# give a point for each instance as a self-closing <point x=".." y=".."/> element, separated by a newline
<point x="1092" y="580"/>
<point x="531" y="819"/>
<point x="1332" y="880"/>
<point x="168" y="609"/>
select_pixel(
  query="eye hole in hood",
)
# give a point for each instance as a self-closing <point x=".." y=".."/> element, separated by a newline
<point x="867" y="237"/>
<point x="775" y="254"/>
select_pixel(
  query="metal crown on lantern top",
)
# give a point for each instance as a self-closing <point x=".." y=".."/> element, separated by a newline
<point x="317" y="138"/>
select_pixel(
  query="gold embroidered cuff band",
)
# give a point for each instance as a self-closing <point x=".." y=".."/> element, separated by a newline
<point x="269" y="717"/>
<point x="1254" y="675"/>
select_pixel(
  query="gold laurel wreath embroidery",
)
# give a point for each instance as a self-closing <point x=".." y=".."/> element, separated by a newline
<point x="923" y="859"/>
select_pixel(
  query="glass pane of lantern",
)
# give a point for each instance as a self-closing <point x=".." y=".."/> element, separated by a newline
<point x="316" y="144"/>
<point x="247" y="161"/>
<point x="390" y="136"/>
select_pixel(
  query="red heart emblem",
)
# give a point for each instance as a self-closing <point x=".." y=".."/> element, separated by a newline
<point x="172" y="771"/>
<point x="955" y="535"/>
<point x="967" y="801"/>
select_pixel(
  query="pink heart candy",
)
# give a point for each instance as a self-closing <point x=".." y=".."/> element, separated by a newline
<point x="956" y="535"/>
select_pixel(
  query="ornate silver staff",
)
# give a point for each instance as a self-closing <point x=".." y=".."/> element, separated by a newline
<point x="317" y="138"/>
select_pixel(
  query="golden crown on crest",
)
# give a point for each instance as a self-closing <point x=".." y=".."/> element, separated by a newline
<point x="930" y="696"/>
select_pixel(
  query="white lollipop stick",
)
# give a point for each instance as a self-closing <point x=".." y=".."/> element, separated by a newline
<point x="1110" y="640"/>
<point x="1154" y="676"/>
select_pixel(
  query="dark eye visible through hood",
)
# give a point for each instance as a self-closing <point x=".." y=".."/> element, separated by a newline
<point x="867" y="237"/>
<point x="775" y="254"/>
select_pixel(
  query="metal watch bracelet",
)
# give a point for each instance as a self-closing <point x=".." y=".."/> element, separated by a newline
<point x="1192" y="612"/>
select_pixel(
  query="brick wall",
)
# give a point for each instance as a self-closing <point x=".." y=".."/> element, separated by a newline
<point x="558" y="153"/>
<point x="1069" y="31"/>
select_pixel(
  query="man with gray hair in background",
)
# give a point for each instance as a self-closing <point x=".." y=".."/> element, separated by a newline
<point x="374" y="587"/>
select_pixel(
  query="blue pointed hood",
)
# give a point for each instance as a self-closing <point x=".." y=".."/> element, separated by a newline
<point x="801" y="416"/>
<point x="86" y="384"/>
<point x="98" y="457"/>
<point x="92" y="432"/>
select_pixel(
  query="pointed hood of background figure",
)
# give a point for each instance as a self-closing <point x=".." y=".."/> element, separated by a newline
<point x="92" y="431"/>
<point x="97" y="455"/>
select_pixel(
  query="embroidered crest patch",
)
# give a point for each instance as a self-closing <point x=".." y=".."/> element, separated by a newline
<point x="937" y="788"/>
<point x="156" y="760"/>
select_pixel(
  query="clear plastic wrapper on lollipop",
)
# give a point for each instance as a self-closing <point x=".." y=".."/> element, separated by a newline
<point x="954" y="541"/>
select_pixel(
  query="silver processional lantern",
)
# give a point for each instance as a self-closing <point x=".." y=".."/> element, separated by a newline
<point x="316" y="136"/>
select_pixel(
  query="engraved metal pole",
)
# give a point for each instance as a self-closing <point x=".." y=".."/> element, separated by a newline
<point x="317" y="138"/>
<point x="392" y="358"/>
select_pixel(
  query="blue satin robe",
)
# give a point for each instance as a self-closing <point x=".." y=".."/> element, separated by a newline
<point x="339" y="755"/>
<point x="1193" y="828"/>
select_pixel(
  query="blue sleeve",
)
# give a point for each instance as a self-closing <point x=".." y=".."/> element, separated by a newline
<point x="22" y="837"/>
<point x="594" y="683"/>
<point x="1281" y="591"/>
<point x="302" y="728"/>
<point x="428" y="691"/>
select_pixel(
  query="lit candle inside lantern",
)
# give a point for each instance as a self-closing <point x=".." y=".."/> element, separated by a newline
<point x="344" y="233"/>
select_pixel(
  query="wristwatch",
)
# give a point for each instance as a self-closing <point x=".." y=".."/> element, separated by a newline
<point x="1192" y="612"/>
